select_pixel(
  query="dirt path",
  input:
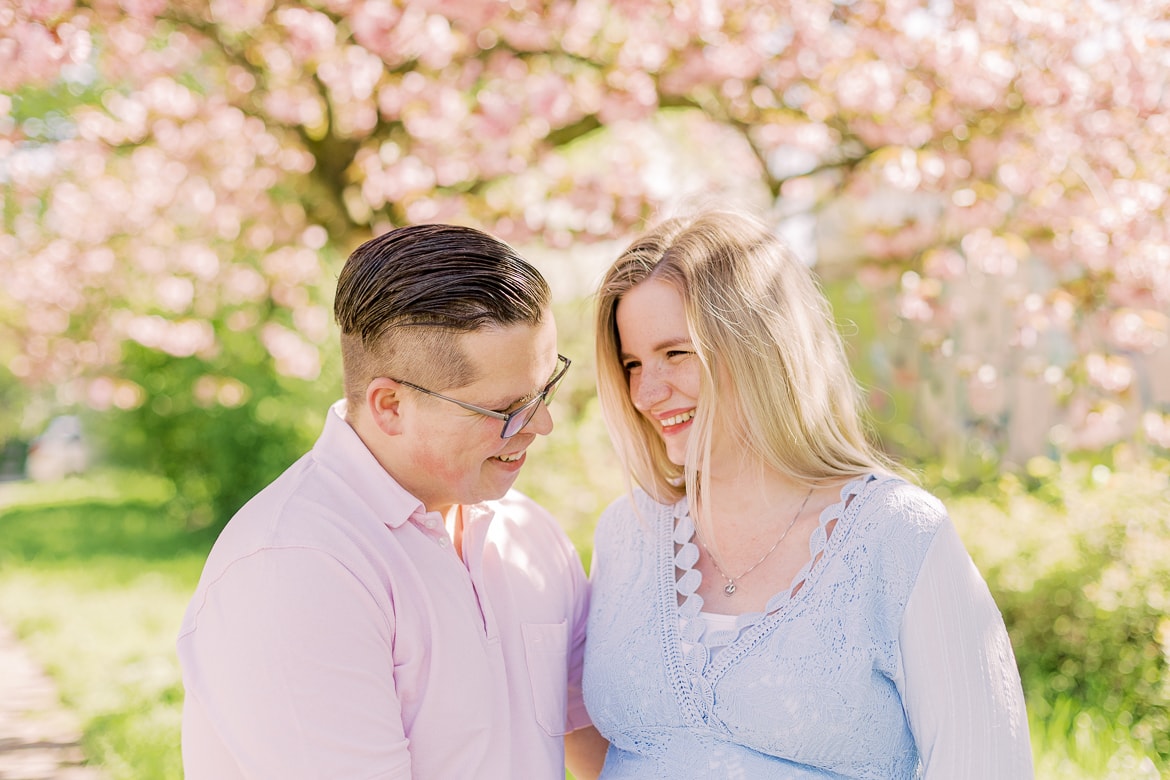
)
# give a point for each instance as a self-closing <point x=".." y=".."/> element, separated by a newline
<point x="38" y="739"/>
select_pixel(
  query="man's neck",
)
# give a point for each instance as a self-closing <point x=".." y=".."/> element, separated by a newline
<point x="453" y="517"/>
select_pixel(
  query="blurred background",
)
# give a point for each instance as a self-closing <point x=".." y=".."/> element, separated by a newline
<point x="981" y="186"/>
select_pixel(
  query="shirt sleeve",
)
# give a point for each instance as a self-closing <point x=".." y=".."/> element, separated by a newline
<point x="576" y="716"/>
<point x="961" y="688"/>
<point x="290" y="661"/>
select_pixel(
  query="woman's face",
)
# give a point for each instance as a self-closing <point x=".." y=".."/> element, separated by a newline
<point x="657" y="353"/>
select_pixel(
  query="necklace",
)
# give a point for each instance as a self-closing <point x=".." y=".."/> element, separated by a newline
<point x="729" y="589"/>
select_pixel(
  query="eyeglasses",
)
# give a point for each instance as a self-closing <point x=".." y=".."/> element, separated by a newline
<point x="515" y="420"/>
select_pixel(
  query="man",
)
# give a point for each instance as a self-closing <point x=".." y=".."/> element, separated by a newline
<point x="388" y="607"/>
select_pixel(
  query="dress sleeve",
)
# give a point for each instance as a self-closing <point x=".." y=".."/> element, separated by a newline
<point x="291" y="662"/>
<point x="961" y="688"/>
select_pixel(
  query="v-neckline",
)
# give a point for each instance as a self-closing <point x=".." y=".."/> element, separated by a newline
<point x="695" y="675"/>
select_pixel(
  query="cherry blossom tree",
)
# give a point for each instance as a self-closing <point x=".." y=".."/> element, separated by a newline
<point x="992" y="173"/>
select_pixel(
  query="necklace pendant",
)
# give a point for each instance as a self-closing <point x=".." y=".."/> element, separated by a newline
<point x="730" y="589"/>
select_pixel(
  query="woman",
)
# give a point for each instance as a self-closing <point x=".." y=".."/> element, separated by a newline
<point x="774" y="601"/>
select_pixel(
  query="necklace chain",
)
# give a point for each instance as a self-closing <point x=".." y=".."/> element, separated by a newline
<point x="730" y="588"/>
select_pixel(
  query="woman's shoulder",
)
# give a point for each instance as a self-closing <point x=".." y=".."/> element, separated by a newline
<point x="891" y="500"/>
<point x="890" y="526"/>
<point x="635" y="501"/>
<point x="632" y="512"/>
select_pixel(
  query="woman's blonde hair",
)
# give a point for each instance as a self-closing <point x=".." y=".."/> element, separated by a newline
<point x="773" y="369"/>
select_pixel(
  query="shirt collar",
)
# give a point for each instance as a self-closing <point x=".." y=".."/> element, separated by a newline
<point x="478" y="514"/>
<point x="340" y="450"/>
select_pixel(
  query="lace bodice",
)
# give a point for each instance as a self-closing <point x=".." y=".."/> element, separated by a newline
<point x="694" y="632"/>
<point x="810" y="688"/>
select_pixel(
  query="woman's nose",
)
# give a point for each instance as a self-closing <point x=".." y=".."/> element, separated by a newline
<point x="646" y="391"/>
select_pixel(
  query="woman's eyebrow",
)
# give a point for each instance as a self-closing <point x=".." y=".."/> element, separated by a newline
<point x="668" y="343"/>
<point x="659" y="347"/>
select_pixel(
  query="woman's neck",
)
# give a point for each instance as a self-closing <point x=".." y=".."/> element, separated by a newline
<point x="748" y="490"/>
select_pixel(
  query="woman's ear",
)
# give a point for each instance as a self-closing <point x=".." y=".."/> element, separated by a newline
<point x="384" y="404"/>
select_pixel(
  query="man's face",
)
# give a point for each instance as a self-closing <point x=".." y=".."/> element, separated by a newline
<point x="456" y="456"/>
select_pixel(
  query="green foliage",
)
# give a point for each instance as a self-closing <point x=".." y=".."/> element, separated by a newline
<point x="1071" y="742"/>
<point x="94" y="577"/>
<point x="217" y="455"/>
<point x="1080" y="568"/>
<point x="105" y="486"/>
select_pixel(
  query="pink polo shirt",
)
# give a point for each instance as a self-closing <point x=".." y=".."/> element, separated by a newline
<point x="336" y="634"/>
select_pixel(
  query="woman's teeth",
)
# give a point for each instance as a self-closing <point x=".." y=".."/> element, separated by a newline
<point x="515" y="456"/>
<point x="678" y="418"/>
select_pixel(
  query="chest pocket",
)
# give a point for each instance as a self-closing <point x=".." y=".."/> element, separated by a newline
<point x="546" y="649"/>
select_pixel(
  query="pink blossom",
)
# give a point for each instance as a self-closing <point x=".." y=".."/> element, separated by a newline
<point x="240" y="15"/>
<point x="29" y="53"/>
<point x="310" y="33"/>
<point x="1111" y="373"/>
<point x="1011" y="148"/>
<point x="1157" y="428"/>
<point x="242" y="284"/>
<point x="181" y="338"/>
<point x="373" y="23"/>
<point x="1136" y="330"/>
<point x="293" y="356"/>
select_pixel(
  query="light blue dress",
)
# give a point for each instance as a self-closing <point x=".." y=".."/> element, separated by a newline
<point x="814" y="687"/>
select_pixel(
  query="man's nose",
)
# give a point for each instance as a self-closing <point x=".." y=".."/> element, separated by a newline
<point x="542" y="421"/>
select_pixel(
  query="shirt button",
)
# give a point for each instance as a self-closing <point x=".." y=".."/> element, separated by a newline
<point x="430" y="522"/>
<point x="444" y="541"/>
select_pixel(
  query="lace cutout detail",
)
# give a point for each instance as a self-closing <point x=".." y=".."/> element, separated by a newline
<point x="690" y="603"/>
<point x="695" y="696"/>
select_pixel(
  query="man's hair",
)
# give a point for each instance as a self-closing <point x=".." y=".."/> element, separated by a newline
<point x="404" y="298"/>
<point x="773" y="376"/>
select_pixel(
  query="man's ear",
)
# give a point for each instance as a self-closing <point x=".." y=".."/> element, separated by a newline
<point x="384" y="403"/>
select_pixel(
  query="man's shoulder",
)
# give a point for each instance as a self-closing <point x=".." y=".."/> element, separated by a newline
<point x="306" y="507"/>
<point x="296" y="486"/>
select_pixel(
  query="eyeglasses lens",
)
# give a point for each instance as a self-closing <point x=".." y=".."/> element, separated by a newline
<point x="522" y="416"/>
<point x="552" y="389"/>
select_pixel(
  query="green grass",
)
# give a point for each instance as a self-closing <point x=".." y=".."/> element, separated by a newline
<point x="95" y="575"/>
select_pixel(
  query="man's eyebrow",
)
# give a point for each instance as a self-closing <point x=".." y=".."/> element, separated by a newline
<point x="528" y="397"/>
<point x="523" y="399"/>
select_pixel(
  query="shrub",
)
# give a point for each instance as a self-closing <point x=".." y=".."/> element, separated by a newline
<point x="219" y="449"/>
<point x="1080" y="568"/>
